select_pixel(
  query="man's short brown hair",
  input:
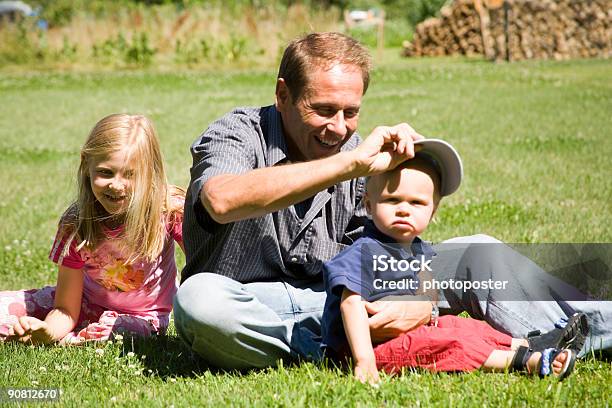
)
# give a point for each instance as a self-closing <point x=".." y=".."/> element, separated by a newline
<point x="321" y="50"/>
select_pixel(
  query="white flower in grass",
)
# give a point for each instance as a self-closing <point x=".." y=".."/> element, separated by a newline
<point x="42" y="369"/>
<point x="113" y="399"/>
<point x="34" y="382"/>
<point x="100" y="352"/>
<point x="172" y="380"/>
<point x="143" y="357"/>
<point x="118" y="337"/>
<point x="130" y="354"/>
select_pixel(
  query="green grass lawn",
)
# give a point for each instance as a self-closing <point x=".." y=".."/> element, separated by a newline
<point x="534" y="138"/>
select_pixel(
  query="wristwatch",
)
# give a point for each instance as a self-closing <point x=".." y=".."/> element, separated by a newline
<point x="435" y="313"/>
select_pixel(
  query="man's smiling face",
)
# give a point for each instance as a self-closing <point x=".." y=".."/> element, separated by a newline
<point x="325" y="116"/>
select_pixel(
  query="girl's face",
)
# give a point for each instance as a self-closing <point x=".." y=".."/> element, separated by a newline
<point x="111" y="181"/>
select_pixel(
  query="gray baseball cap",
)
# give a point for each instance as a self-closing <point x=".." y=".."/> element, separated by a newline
<point x="446" y="159"/>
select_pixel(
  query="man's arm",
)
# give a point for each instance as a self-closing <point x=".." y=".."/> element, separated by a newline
<point x="355" y="321"/>
<point x="391" y="318"/>
<point x="233" y="197"/>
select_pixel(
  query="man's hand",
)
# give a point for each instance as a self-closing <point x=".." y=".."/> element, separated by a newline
<point x="389" y="319"/>
<point x="386" y="147"/>
<point x="32" y="330"/>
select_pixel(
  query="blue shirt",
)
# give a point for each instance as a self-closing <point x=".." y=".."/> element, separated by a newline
<point x="364" y="268"/>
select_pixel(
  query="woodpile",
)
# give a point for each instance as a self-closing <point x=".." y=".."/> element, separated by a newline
<point x="517" y="30"/>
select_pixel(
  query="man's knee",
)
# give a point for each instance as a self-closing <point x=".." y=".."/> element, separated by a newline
<point x="473" y="239"/>
<point x="203" y="304"/>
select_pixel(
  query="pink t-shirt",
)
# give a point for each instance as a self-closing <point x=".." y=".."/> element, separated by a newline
<point x="141" y="288"/>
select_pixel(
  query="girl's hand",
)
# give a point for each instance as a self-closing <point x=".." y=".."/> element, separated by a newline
<point x="366" y="371"/>
<point x="32" y="330"/>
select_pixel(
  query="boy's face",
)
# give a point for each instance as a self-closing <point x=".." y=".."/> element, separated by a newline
<point x="402" y="203"/>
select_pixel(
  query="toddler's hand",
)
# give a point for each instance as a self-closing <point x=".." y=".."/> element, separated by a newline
<point x="32" y="330"/>
<point x="366" y="371"/>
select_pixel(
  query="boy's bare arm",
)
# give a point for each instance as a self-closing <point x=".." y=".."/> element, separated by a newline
<point x="357" y="329"/>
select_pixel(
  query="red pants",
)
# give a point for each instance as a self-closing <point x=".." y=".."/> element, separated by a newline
<point x="456" y="344"/>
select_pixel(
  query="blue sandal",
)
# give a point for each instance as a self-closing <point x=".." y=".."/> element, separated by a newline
<point x="519" y="362"/>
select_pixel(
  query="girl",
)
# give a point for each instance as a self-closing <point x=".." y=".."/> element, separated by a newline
<point x="114" y="246"/>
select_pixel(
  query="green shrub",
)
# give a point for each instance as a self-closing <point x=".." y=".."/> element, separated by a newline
<point x="419" y="10"/>
<point x="110" y="50"/>
<point x="139" y="52"/>
<point x="130" y="33"/>
<point x="22" y="45"/>
<point x="191" y="53"/>
<point x="414" y="11"/>
<point x="119" y="51"/>
<point x="68" y="52"/>
<point x="396" y="31"/>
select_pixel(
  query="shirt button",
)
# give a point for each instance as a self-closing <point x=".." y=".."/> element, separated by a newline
<point x="294" y="259"/>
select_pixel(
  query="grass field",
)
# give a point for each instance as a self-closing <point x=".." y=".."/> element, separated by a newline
<point x="534" y="137"/>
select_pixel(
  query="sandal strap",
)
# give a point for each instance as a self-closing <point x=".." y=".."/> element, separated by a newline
<point x="572" y="335"/>
<point x="520" y="358"/>
<point x="548" y="355"/>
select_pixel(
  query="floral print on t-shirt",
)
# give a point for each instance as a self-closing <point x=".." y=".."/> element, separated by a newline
<point x="108" y="268"/>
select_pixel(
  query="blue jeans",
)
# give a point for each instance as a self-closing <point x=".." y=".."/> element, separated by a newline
<point x="237" y="326"/>
<point x="512" y="314"/>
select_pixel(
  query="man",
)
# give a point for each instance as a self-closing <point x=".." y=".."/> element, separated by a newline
<point x="274" y="192"/>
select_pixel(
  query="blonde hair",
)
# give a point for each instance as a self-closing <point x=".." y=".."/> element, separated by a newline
<point x="150" y="203"/>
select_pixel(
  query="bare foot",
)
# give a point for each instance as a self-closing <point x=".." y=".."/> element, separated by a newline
<point x="557" y="364"/>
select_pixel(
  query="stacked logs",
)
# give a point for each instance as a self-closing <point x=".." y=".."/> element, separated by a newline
<point x="517" y="30"/>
